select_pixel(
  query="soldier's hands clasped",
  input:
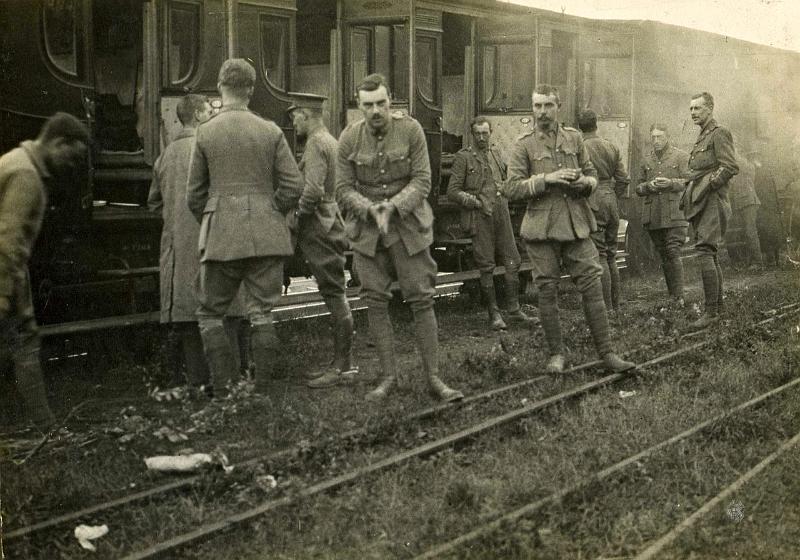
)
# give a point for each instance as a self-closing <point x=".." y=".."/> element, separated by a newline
<point x="381" y="212"/>
<point x="562" y="177"/>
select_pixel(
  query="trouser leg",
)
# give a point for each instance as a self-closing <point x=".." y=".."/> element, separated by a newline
<point x="342" y="319"/>
<point x="219" y="354"/>
<point x="197" y="372"/>
<point x="710" y="276"/>
<point x="490" y="298"/>
<point x="30" y="383"/>
<point x="751" y="234"/>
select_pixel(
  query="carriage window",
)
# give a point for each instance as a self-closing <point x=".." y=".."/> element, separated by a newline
<point x="380" y="48"/>
<point x="507" y="77"/>
<point x="60" y="34"/>
<point x="608" y="86"/>
<point x="274" y="51"/>
<point x="184" y="41"/>
<point x="426" y="68"/>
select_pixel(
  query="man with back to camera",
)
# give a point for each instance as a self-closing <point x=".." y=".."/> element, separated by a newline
<point x="320" y="232"/>
<point x="242" y="180"/>
<point x="712" y="163"/>
<point x="550" y="168"/>
<point x="383" y="178"/>
<point x="61" y="145"/>
<point x="477" y="176"/>
<point x="662" y="180"/>
<point x="612" y="183"/>
<point x="180" y="261"/>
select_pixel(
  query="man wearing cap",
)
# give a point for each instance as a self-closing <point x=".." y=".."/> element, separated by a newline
<point x="705" y="203"/>
<point x="662" y="180"/>
<point x="550" y="168"/>
<point x="612" y="183"/>
<point x="383" y="178"/>
<point x="243" y="179"/>
<point x="60" y="146"/>
<point x="478" y="174"/>
<point x="320" y="232"/>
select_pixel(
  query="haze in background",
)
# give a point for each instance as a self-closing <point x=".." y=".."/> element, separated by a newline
<point x="768" y="22"/>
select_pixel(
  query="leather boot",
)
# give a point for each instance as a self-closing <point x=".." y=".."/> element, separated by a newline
<point x="669" y="276"/>
<point x="616" y="283"/>
<point x="343" y="370"/>
<point x="675" y="266"/>
<point x="427" y="338"/>
<point x="231" y="325"/>
<point x="596" y="316"/>
<point x="264" y="346"/>
<point x="197" y="372"/>
<point x="710" y="277"/>
<point x="383" y="336"/>
<point x="548" y="312"/>
<point x="605" y="283"/>
<point x="221" y="361"/>
<point x="30" y="384"/>
<point x="495" y="319"/>
<point x="719" y="283"/>
<point x="515" y="312"/>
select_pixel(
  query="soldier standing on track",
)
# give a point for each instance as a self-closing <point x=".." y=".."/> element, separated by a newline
<point x="477" y="177"/>
<point x="243" y="178"/>
<point x="662" y="180"/>
<point x="383" y="178"/>
<point x="320" y="232"/>
<point x="550" y="168"/>
<point x="61" y="145"/>
<point x="705" y="203"/>
<point x="612" y="183"/>
<point x="180" y="260"/>
<point x="745" y="204"/>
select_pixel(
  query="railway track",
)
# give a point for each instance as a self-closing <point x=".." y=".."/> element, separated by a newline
<point x="209" y="530"/>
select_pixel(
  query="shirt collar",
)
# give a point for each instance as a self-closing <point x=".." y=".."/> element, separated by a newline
<point x="710" y="125"/>
<point x="542" y="135"/>
<point x="34" y="153"/>
<point x="234" y="107"/>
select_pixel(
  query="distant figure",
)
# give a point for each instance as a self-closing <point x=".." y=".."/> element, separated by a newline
<point x="612" y="184"/>
<point x="61" y="145"/>
<point x="180" y="259"/>
<point x="550" y="168"/>
<point x="745" y="204"/>
<point x="705" y="203"/>
<point x="662" y="180"/>
<point x="475" y="184"/>
<point x="243" y="179"/>
<point x="383" y="178"/>
<point x="770" y="219"/>
<point x="320" y="233"/>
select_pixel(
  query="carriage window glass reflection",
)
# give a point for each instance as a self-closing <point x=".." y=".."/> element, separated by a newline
<point x="507" y="77"/>
<point x="359" y="55"/>
<point x="60" y="34"/>
<point x="380" y="48"/>
<point x="184" y="41"/>
<point x="608" y="86"/>
<point x="426" y="68"/>
<point x="399" y="74"/>
<point x="274" y="53"/>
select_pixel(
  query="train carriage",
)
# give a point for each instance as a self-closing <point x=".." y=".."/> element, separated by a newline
<point x="122" y="65"/>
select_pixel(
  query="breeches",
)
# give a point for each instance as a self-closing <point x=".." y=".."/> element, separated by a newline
<point x="416" y="275"/>
<point x="579" y="258"/>
<point x="607" y="216"/>
<point x="710" y="224"/>
<point x="493" y="243"/>
<point x="324" y="252"/>
<point x="668" y="241"/>
<point x="220" y="281"/>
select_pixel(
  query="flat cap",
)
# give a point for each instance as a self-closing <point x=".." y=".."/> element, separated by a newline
<point x="306" y="101"/>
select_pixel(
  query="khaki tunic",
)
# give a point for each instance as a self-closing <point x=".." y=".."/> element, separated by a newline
<point x="662" y="210"/>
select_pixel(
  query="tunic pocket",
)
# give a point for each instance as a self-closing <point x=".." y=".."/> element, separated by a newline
<point x="364" y="165"/>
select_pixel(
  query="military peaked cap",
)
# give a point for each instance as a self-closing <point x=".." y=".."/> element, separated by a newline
<point x="306" y="101"/>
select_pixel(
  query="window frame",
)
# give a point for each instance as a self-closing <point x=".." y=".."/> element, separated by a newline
<point x="368" y="27"/>
<point x="78" y="43"/>
<point x="482" y="107"/>
<point x="185" y="80"/>
<point x="434" y="40"/>
<point x="285" y="22"/>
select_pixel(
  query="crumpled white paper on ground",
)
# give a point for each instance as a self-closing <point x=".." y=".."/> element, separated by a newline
<point x="179" y="463"/>
<point x="87" y="533"/>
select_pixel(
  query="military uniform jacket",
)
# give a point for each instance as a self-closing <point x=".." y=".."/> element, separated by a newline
<point x="243" y="178"/>
<point x="743" y="186"/>
<point x="472" y="184"/>
<point x="662" y="210"/>
<point x="22" y="204"/>
<point x="712" y="163"/>
<point x="611" y="173"/>
<point x="318" y="166"/>
<point x="391" y="165"/>
<point x="553" y="213"/>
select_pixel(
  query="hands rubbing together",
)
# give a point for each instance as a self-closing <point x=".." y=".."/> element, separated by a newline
<point x="382" y="212"/>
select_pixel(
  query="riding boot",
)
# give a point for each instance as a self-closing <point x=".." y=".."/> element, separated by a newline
<point x="548" y="312"/>
<point x="231" y="325"/>
<point x="221" y="360"/>
<point x="197" y="373"/>
<point x="719" y="283"/>
<point x="515" y="312"/>
<point x="605" y="283"/>
<point x="426" y="334"/>
<point x="616" y="285"/>
<point x="265" y="348"/>
<point x="343" y="369"/>
<point x="675" y="266"/>
<point x="383" y="336"/>
<point x="496" y="322"/>
<point x="597" y="318"/>
<point x="30" y="384"/>
<point x="669" y="276"/>
<point x="711" y="288"/>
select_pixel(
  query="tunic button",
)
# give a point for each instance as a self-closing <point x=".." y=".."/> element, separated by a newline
<point x="559" y="165"/>
<point x="564" y="195"/>
<point x="384" y="186"/>
<point x="380" y="153"/>
<point x="383" y="171"/>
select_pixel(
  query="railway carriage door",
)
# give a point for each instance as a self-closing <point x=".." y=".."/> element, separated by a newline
<point x="427" y="104"/>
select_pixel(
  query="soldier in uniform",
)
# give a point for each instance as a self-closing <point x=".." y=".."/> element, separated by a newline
<point x="320" y="232"/>
<point x="477" y="177"/>
<point x="705" y="203"/>
<point x="383" y="178"/>
<point x="243" y="179"/>
<point x="180" y="261"/>
<point x="60" y="146"/>
<point x="612" y="183"/>
<point x="662" y="180"/>
<point x="745" y="204"/>
<point x="550" y="168"/>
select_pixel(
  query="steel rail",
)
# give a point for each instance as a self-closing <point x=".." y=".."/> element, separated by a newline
<point x="524" y="511"/>
<point x="656" y="547"/>
<point x="206" y="531"/>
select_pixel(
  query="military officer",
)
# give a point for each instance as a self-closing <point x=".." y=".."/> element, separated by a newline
<point x="477" y="176"/>
<point x="662" y="180"/>
<point x="550" y="168"/>
<point x="60" y="146"/>
<point x="612" y="184"/>
<point x="320" y="232"/>
<point x="712" y="163"/>
<point x="383" y="178"/>
<point x="243" y="179"/>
